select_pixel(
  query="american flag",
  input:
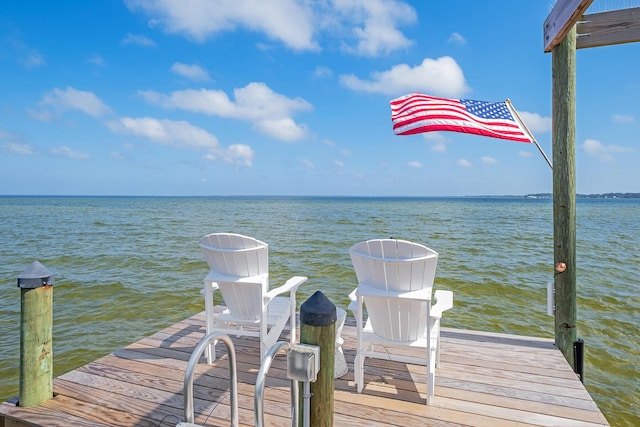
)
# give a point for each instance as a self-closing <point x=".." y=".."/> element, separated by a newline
<point x="417" y="113"/>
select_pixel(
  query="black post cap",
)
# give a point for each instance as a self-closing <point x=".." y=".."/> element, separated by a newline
<point x="318" y="310"/>
<point x="35" y="276"/>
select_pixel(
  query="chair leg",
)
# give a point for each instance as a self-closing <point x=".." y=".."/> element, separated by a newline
<point x="358" y="372"/>
<point x="358" y="363"/>
<point x="208" y="310"/>
<point x="436" y="332"/>
<point x="434" y="356"/>
<point x="431" y="374"/>
<point x="438" y="349"/>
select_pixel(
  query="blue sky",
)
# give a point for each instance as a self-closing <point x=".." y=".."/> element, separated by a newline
<point x="291" y="97"/>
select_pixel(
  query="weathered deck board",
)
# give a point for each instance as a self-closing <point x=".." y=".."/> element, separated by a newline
<point x="484" y="379"/>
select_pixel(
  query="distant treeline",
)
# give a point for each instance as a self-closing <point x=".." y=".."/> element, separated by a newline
<point x="590" y="196"/>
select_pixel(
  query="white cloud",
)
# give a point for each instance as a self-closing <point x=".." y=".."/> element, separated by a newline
<point x="414" y="164"/>
<point x="138" y="40"/>
<point x="464" y="163"/>
<point x="338" y="163"/>
<point x="42" y="115"/>
<point x="239" y="153"/>
<point x="535" y="122"/>
<point x="308" y="164"/>
<point x="436" y="140"/>
<point x="595" y="148"/>
<point x="193" y="72"/>
<point x="288" y="21"/>
<point x="31" y="59"/>
<point x="269" y="111"/>
<point x="58" y="101"/>
<point x="284" y="129"/>
<point x="181" y="134"/>
<point x="69" y="153"/>
<point x="438" y="147"/>
<point x="442" y="76"/>
<point x="169" y="132"/>
<point x="623" y="118"/>
<point x="434" y="136"/>
<point x="457" y="38"/>
<point x="525" y="154"/>
<point x="25" y="55"/>
<point x="96" y="59"/>
<point x="253" y="102"/>
<point x="264" y="47"/>
<point x="118" y="155"/>
<point x="488" y="160"/>
<point x="322" y="73"/>
<point x="374" y="25"/>
<point x="15" y="148"/>
<point x="362" y="27"/>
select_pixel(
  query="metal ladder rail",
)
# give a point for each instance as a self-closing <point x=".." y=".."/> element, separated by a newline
<point x="233" y="376"/>
<point x="258" y="399"/>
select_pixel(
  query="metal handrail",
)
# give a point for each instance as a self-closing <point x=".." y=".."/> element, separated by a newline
<point x="233" y="376"/>
<point x="258" y="402"/>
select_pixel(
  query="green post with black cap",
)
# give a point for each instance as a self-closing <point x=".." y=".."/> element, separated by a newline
<point x="36" y="335"/>
<point x="317" y="327"/>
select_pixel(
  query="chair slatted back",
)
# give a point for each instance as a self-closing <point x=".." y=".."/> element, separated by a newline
<point x="237" y="256"/>
<point x="244" y="300"/>
<point x="395" y="266"/>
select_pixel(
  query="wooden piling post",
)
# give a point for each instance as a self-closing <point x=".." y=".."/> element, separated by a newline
<point x="564" y="192"/>
<point x="566" y="19"/>
<point x="36" y="335"/>
<point x="317" y="327"/>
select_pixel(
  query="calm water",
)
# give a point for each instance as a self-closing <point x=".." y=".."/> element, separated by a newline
<point x="127" y="267"/>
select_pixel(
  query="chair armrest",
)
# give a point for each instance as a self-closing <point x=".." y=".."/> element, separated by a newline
<point x="214" y="277"/>
<point x="444" y="301"/>
<point x="209" y="280"/>
<point x="290" y="285"/>
<point x="352" y="296"/>
<point x="214" y="286"/>
<point x="353" y="304"/>
<point x="420" y="295"/>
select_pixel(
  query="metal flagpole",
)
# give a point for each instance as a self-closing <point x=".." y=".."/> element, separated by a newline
<point x="513" y="110"/>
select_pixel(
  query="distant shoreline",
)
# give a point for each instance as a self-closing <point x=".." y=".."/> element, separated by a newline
<point x="588" y="196"/>
<point x="276" y="196"/>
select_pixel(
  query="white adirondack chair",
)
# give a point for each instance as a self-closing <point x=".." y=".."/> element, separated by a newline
<point x="395" y="281"/>
<point x="239" y="268"/>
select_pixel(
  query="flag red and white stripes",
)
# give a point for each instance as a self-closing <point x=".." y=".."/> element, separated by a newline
<point x="417" y="113"/>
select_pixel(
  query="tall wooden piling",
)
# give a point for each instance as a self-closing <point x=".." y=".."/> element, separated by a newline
<point x="564" y="192"/>
<point x="566" y="28"/>
<point x="317" y="327"/>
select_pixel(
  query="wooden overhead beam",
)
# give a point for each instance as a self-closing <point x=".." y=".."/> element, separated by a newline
<point x="562" y="18"/>
<point x="608" y="28"/>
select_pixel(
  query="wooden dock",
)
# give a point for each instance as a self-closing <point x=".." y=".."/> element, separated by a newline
<point x="485" y="379"/>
